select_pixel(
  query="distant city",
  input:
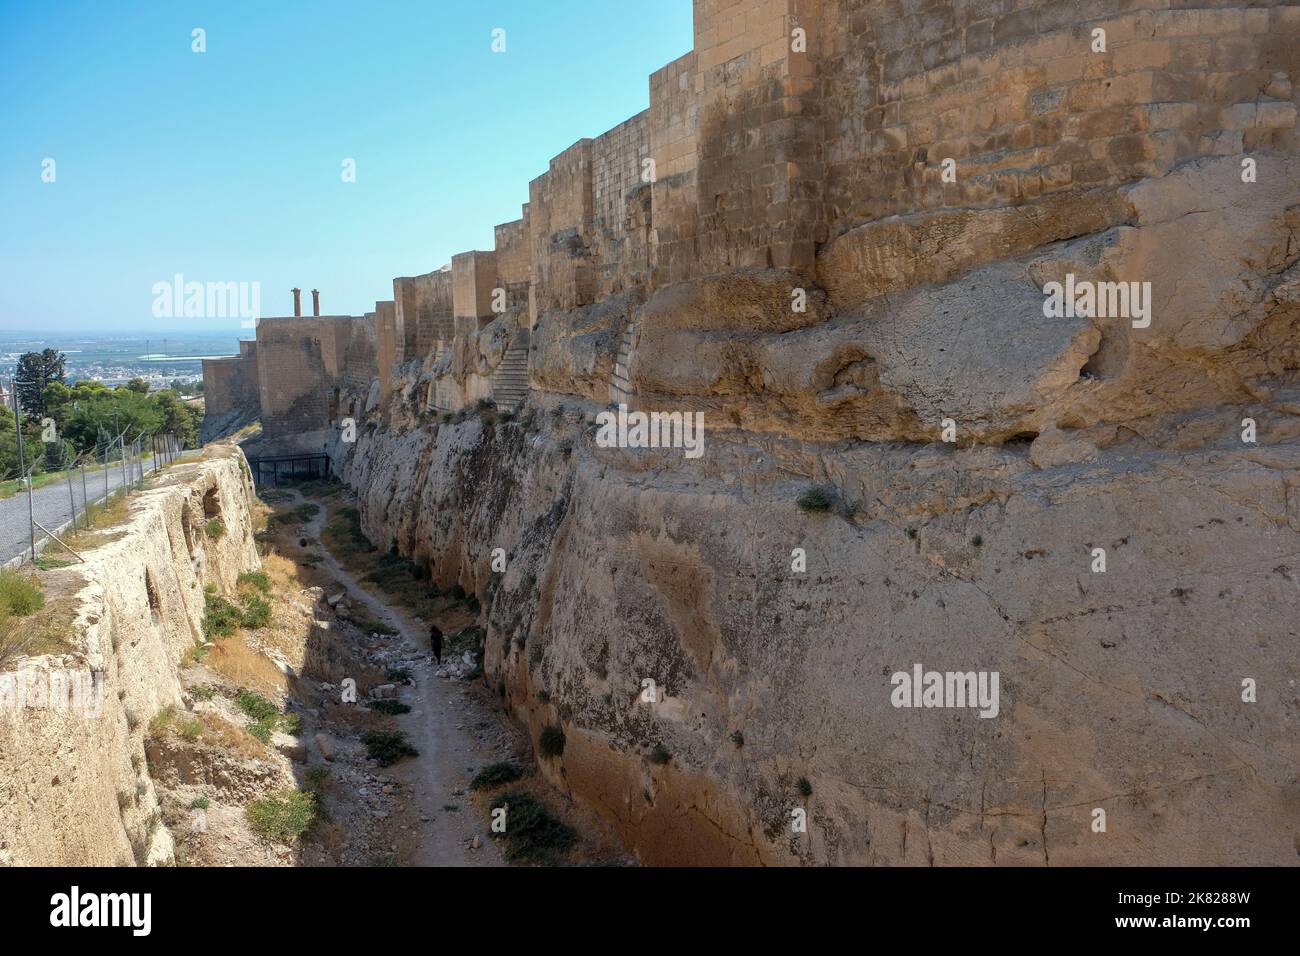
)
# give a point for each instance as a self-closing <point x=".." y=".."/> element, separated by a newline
<point x="115" y="360"/>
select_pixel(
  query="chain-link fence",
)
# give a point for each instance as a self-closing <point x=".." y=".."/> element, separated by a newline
<point x="64" y="490"/>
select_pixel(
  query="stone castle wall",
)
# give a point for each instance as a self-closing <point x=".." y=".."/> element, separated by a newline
<point x="809" y="138"/>
<point x="231" y="384"/>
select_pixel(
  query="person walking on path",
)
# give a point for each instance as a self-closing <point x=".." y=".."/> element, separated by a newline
<point x="435" y="642"/>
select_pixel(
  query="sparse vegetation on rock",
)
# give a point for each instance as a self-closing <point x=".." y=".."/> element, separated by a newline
<point x="285" y="815"/>
<point x="550" y="743"/>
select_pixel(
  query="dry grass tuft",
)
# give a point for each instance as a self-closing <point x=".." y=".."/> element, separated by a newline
<point x="242" y="664"/>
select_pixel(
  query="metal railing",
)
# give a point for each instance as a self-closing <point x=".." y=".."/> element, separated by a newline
<point x="295" y="467"/>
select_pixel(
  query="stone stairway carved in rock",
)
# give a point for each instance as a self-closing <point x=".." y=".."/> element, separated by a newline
<point x="621" y="389"/>
<point x="510" y="378"/>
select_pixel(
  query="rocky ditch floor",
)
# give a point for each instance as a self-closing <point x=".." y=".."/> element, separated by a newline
<point x="318" y="730"/>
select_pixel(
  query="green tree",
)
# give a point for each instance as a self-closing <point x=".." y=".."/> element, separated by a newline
<point x="108" y="413"/>
<point x="9" y="446"/>
<point x="56" y="398"/>
<point x="179" y="419"/>
<point x="138" y="385"/>
<point x="36" y="370"/>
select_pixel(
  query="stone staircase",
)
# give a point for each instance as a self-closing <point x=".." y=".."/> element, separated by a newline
<point x="621" y="389"/>
<point x="510" y="378"/>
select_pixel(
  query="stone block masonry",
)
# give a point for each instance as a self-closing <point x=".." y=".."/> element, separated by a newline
<point x="231" y="384"/>
<point x="801" y="146"/>
<point x="795" y="131"/>
<point x="423" y="312"/>
<point x="301" y="364"/>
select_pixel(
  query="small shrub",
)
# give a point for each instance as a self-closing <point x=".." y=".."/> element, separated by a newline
<point x="19" y="595"/>
<point x="805" y="788"/>
<point x="256" y="613"/>
<point x="551" y="741"/>
<point x="494" y="775"/>
<point x="264" y="717"/>
<point x="255" y="705"/>
<point x="316" y="776"/>
<point x="200" y="803"/>
<point x="284" y="815"/>
<point x="398" y="675"/>
<point x="215" y="529"/>
<point x="738" y="738"/>
<point x="389" y="706"/>
<point x="160" y="722"/>
<point x="300" y="514"/>
<point x="532" y="834"/>
<point x="203" y="692"/>
<point x="977" y="541"/>
<point x="659" y="754"/>
<point x="220" y="617"/>
<point x="256" y="579"/>
<point x="190" y="729"/>
<point x="817" y="500"/>
<point x="387" y="746"/>
<point x="51" y="564"/>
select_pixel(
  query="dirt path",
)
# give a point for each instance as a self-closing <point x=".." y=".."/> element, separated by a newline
<point x="437" y="726"/>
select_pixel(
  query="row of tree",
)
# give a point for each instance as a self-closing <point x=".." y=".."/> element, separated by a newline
<point x="63" y="423"/>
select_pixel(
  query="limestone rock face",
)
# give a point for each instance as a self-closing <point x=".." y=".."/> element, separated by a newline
<point x="574" y="350"/>
<point x="76" y="788"/>
<point x="1120" y="690"/>
<point x="975" y="345"/>
<point x="918" y="456"/>
<point x="1099" y="536"/>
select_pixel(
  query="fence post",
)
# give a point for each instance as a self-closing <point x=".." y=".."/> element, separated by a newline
<point x="72" y="498"/>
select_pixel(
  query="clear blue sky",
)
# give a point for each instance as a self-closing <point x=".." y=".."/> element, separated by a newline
<point x="225" y="166"/>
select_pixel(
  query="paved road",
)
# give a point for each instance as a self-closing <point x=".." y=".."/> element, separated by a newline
<point x="51" y="508"/>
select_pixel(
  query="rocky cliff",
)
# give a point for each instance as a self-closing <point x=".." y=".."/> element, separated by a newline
<point x="75" y="788"/>
<point x="1158" y="687"/>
